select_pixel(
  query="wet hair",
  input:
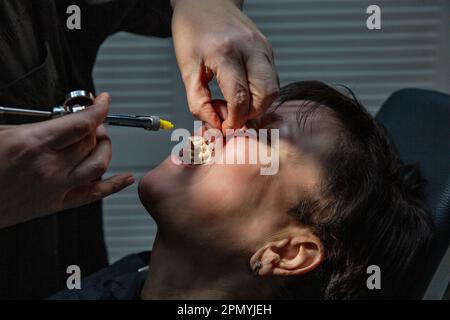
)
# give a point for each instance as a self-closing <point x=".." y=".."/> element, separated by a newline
<point x="371" y="207"/>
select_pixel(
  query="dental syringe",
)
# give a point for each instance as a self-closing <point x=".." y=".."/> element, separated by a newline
<point x="79" y="100"/>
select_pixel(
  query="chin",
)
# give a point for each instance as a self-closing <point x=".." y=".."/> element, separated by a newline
<point x="157" y="186"/>
<point x="151" y="189"/>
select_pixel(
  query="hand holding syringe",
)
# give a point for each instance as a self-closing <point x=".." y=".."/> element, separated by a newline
<point x="79" y="100"/>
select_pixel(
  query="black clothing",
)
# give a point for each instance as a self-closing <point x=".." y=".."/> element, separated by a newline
<point x="122" y="280"/>
<point x="41" y="60"/>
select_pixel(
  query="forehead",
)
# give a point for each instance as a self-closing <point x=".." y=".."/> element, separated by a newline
<point x="308" y="126"/>
<point x="307" y="132"/>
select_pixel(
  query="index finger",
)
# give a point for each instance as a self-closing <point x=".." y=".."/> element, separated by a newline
<point x="263" y="83"/>
<point x="62" y="132"/>
<point x="232" y="80"/>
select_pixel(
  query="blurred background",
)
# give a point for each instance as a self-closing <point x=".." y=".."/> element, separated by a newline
<point x="317" y="39"/>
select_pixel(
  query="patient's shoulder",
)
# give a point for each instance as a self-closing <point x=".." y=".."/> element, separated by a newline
<point x="122" y="280"/>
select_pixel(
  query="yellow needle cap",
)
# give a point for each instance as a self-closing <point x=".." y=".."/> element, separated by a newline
<point x="166" y="125"/>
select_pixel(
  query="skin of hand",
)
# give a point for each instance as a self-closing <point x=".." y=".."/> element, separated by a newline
<point x="215" y="38"/>
<point x="54" y="165"/>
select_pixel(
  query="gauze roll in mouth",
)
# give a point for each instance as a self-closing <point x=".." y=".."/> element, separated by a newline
<point x="198" y="151"/>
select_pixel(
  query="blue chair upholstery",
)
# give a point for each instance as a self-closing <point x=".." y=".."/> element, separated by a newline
<point x="419" y="123"/>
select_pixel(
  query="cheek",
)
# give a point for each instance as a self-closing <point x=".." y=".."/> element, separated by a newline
<point x="231" y="186"/>
<point x="240" y="150"/>
<point x="219" y="204"/>
<point x="220" y="215"/>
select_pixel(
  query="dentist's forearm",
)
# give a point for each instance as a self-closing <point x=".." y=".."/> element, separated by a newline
<point x="238" y="3"/>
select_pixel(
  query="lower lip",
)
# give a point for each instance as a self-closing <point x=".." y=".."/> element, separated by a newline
<point x="176" y="161"/>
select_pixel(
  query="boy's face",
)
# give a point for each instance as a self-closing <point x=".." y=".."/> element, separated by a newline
<point x="232" y="207"/>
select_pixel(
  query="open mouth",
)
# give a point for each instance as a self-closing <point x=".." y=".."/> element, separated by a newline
<point x="198" y="151"/>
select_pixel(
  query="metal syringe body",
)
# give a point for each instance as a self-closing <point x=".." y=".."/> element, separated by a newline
<point x="151" y="123"/>
<point x="80" y="100"/>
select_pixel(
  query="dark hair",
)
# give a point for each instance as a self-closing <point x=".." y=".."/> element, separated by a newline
<point x="371" y="209"/>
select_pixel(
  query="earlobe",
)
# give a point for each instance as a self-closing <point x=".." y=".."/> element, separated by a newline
<point x="293" y="255"/>
<point x="264" y="260"/>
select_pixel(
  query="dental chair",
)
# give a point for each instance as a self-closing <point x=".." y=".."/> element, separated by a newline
<point x="419" y="123"/>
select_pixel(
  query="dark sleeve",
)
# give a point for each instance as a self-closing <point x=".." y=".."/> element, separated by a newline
<point x="123" y="280"/>
<point x="102" y="18"/>
<point x="146" y="17"/>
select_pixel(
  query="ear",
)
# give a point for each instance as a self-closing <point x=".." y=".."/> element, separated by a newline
<point x="296" y="253"/>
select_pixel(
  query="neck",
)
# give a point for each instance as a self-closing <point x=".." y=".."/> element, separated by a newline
<point x="177" y="273"/>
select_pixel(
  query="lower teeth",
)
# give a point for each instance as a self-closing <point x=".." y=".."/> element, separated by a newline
<point x="198" y="150"/>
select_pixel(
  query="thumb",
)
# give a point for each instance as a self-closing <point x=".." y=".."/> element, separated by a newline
<point x="64" y="131"/>
<point x="220" y="106"/>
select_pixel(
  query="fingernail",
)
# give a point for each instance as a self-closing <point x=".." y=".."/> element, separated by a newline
<point x="105" y="95"/>
<point x="101" y="130"/>
<point x="130" y="180"/>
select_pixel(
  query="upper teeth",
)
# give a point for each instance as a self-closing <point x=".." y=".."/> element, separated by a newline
<point x="198" y="150"/>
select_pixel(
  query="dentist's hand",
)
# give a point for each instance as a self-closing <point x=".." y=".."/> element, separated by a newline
<point x="214" y="38"/>
<point x="55" y="165"/>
